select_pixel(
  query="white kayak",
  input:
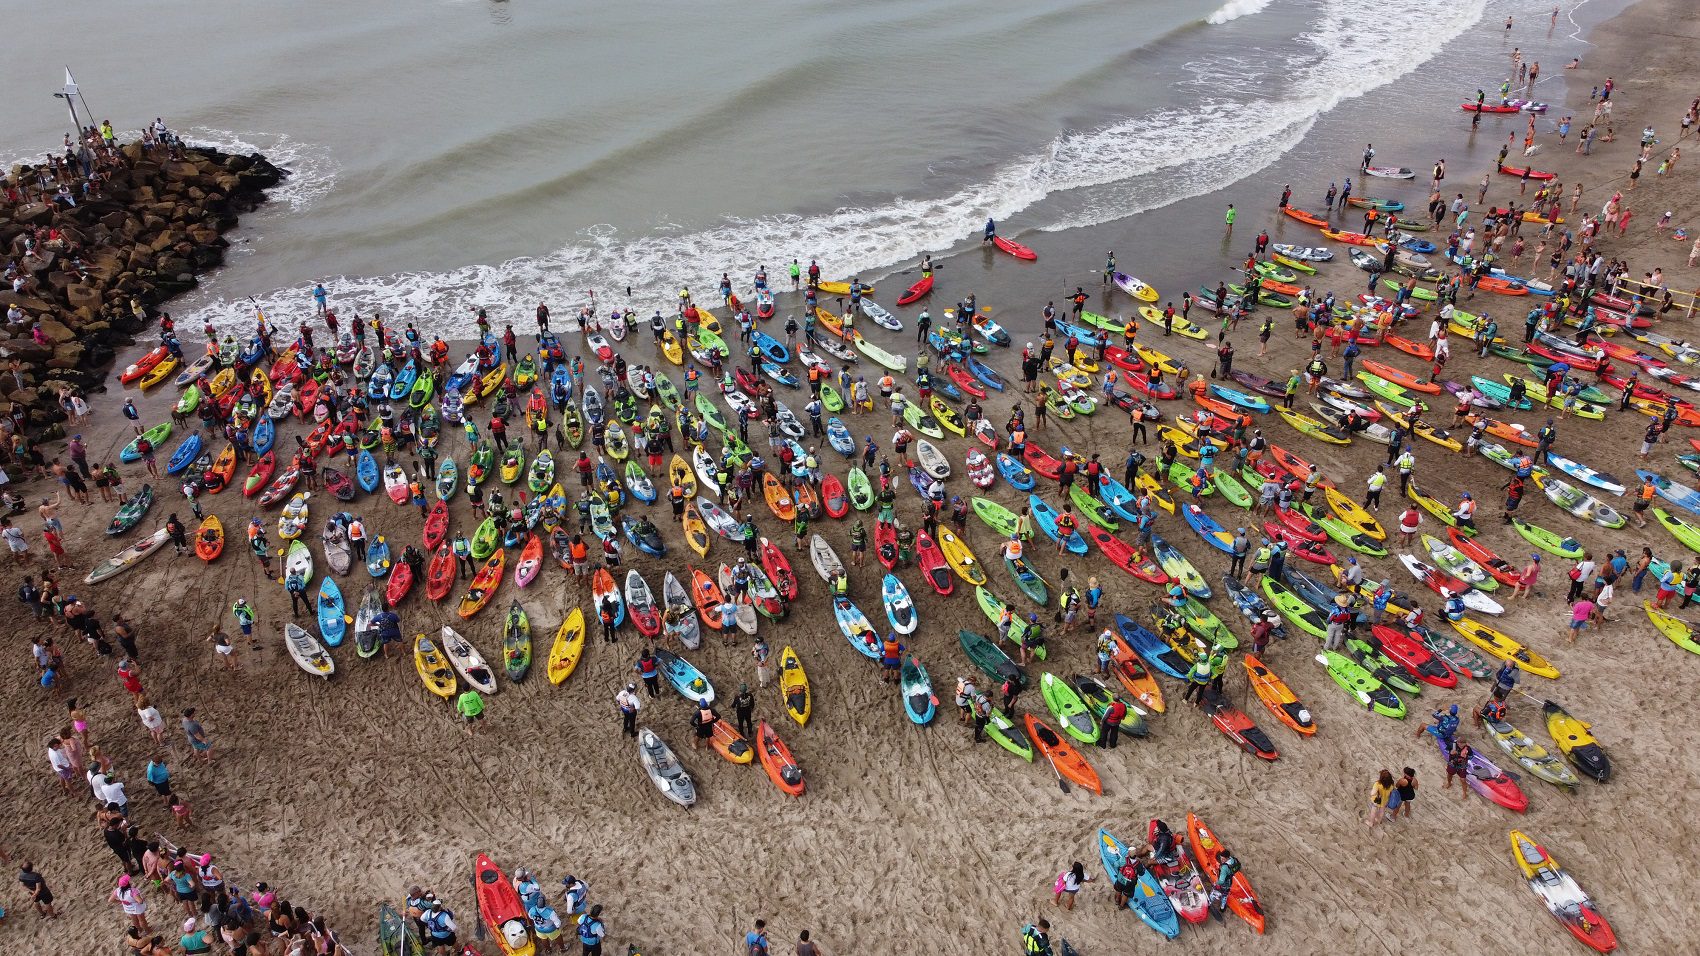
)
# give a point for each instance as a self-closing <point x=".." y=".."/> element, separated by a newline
<point x="665" y="770"/>
<point x="127" y="558"/>
<point x="467" y="661"/>
<point x="308" y="653"/>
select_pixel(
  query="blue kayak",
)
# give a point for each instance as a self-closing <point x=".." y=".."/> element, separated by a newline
<point x="1046" y="517"/>
<point x="331" y="610"/>
<point x="1086" y="336"/>
<point x="1116" y="495"/>
<point x="650" y="544"/>
<point x="984" y="372"/>
<point x="942" y="385"/>
<point x="1239" y="398"/>
<point x="779" y="374"/>
<point x="1677" y="494"/>
<point x="772" y="349"/>
<point x="378" y="557"/>
<point x="1149" y="646"/>
<point x="366" y="471"/>
<point x="404" y="380"/>
<point x="187" y="450"/>
<point x="856" y="628"/>
<point x="561" y="385"/>
<point x="685" y="678"/>
<point x="1213" y="534"/>
<point x="265" y="434"/>
<point x="1147" y="900"/>
<point x="1019" y="476"/>
<point x="839" y="437"/>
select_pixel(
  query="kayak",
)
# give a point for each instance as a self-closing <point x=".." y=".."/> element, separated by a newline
<point x="1066" y="704"/>
<point x="990" y="658"/>
<point x="1147" y="900"/>
<point x="916" y="690"/>
<point x="1062" y="757"/>
<point x="1487" y="779"/>
<point x="1237" y="727"/>
<point x="1574" y="740"/>
<point x="1529" y="755"/>
<point x="1278" y="697"/>
<point x="1207" y="851"/>
<point x="1151" y="648"/>
<point x="1360" y="684"/>
<point x="1505" y="648"/>
<point x="1571" y="550"/>
<point x="1014" y="248"/>
<point x="1563" y="896"/>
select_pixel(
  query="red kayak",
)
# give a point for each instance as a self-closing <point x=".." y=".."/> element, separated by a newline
<point x="1574" y="361"/>
<point x="1123" y="359"/>
<point x="1492" y="563"/>
<point x="144" y="365"/>
<point x="1041" y="461"/>
<point x="916" y="291"/>
<point x="1502" y="286"/>
<point x="401" y="582"/>
<point x="1124" y="556"/>
<point x="1014" y="248"/>
<point x="885" y="544"/>
<point x="1413" y="656"/>
<point x="437" y="525"/>
<point x="1488" y="108"/>
<point x="778" y="568"/>
<point x="1298" y="524"/>
<point x="1309" y="219"/>
<point x="1641" y="390"/>
<point x="1236" y="726"/>
<point x="499" y="904"/>
<point x="259" y="474"/>
<point x="1303" y="547"/>
<point x="832" y="497"/>
<point x="932" y="564"/>
<point x="1533" y="173"/>
<point x="440" y="574"/>
<point x="965" y="381"/>
<point x="1161" y="390"/>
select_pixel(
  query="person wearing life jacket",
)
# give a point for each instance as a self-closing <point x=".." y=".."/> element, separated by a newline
<point x="1035" y="938"/>
<point x="1493" y="710"/>
<point x="1466" y="512"/>
<point x="1227" y="867"/>
<point x="1454" y="605"/>
<point x="1445" y="726"/>
<point x="1065" y="528"/>
<point x="1198" y="678"/>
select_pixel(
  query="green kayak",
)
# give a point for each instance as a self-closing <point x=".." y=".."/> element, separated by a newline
<point x="1382" y="667"/>
<point x="1386" y="389"/>
<point x="1342" y="533"/>
<point x="922" y="421"/>
<point x="516" y="642"/>
<point x="860" y="488"/>
<point x="1092" y="509"/>
<point x="1009" y="735"/>
<point x="1231" y="489"/>
<point x="1426" y="295"/>
<point x="156" y="437"/>
<point x="996" y="516"/>
<point x="1064" y="701"/>
<point x="1361" y="685"/>
<point x="669" y="392"/>
<point x="1294" y="609"/>
<point x="1571" y="550"/>
<point x="1206" y="626"/>
<point x="710" y="414"/>
<point x="830" y="399"/>
<point x="485" y="540"/>
<point x="1180" y="475"/>
<point x="993" y="607"/>
<point x="896" y="363"/>
<point x="1028" y="580"/>
<point x="989" y="658"/>
<point x="1685" y="533"/>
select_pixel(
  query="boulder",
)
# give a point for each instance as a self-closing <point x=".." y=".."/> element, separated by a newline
<point x="66" y="355"/>
<point x="34" y="214"/>
<point x="83" y="296"/>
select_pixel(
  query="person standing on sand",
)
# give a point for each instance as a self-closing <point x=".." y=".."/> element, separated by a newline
<point x="197" y="736"/>
<point x="626" y="702"/>
<point x="1069" y="883"/>
<point x="1379" y="797"/>
<point x="1405" y="788"/>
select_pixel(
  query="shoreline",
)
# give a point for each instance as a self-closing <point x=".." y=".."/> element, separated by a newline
<point x="977" y="833"/>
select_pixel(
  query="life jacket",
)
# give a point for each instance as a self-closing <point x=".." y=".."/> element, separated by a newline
<point x="891" y="649"/>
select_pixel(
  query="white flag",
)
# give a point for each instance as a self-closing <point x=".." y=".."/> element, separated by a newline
<point x="70" y="83"/>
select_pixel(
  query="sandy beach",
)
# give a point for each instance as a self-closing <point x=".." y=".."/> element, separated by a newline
<point x="343" y="793"/>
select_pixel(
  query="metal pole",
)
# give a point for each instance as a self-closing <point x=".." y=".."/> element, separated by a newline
<point x="76" y="124"/>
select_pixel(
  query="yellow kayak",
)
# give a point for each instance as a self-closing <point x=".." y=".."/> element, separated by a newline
<point x="1069" y="375"/>
<point x="1354" y="514"/>
<point x="1505" y="648"/>
<point x="439" y="678"/>
<point x="1311" y="427"/>
<point x="222" y="382"/>
<point x="1179" y="326"/>
<point x="960" y="558"/>
<point x="568" y="647"/>
<point x="794" y="686"/>
<point x="1680" y="632"/>
<point x="842" y="288"/>
<point x="1151" y="486"/>
<point x="696" y="530"/>
<point x="1159" y="359"/>
<point x="670" y="348"/>
<point x="679" y="473"/>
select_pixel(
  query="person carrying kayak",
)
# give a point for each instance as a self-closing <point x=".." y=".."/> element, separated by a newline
<point x="991" y="232"/>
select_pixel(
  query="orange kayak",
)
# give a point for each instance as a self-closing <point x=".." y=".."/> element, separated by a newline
<point x="1414" y="349"/>
<point x="778" y="499"/>
<point x="1130" y="669"/>
<point x="484" y="585"/>
<point x="1278" y="697"/>
<point x="1400" y="377"/>
<point x="1207" y="850"/>
<point x="1296" y="466"/>
<point x="1283" y="288"/>
<point x="1064" y="758"/>
<point x="776" y="759"/>
<point x="1308" y="219"/>
<point x="705" y="594"/>
<point x="1505" y="431"/>
<point x="1351" y="238"/>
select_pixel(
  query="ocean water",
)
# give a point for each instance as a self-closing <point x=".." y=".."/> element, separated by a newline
<point x="467" y="153"/>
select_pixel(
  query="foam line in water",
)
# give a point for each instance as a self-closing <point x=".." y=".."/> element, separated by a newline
<point x="1234" y="9"/>
<point x="1229" y="136"/>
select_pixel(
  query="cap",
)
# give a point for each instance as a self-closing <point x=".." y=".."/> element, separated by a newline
<point x="631" y="687"/>
<point x="189" y="925"/>
<point x="1454" y="710"/>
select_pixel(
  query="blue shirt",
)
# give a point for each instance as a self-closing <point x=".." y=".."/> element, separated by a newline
<point x="755" y="942"/>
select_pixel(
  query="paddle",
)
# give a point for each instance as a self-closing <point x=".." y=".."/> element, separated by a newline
<point x="477" y="924"/>
<point x="1061" y="783"/>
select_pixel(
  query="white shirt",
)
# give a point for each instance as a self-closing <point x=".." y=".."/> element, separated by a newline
<point x="114" y="793"/>
<point x="150" y="718"/>
<point x="58" y="759"/>
<point x="628" y="701"/>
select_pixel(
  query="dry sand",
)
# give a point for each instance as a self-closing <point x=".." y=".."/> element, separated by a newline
<point x="342" y="794"/>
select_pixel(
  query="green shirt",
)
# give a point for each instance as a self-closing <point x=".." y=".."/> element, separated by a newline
<point x="469" y="704"/>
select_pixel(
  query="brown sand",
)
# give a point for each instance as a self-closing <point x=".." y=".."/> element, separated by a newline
<point x="342" y="794"/>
